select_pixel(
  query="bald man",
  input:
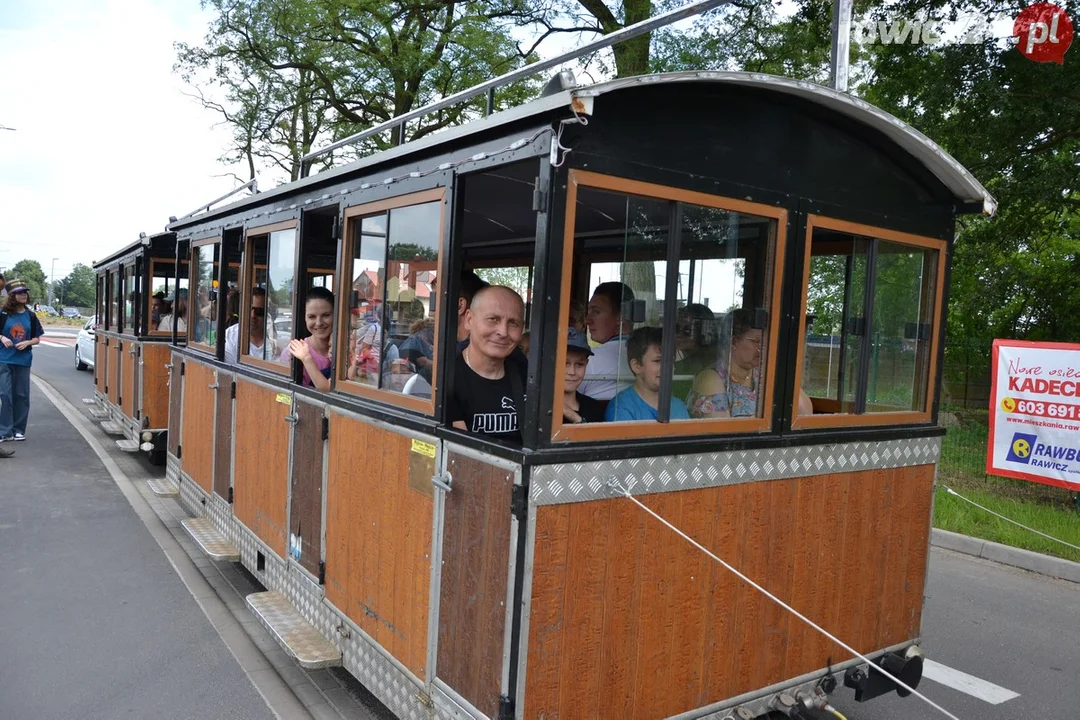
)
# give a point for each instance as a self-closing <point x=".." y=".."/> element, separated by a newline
<point x="489" y="384"/>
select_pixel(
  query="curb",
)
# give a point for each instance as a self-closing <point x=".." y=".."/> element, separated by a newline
<point x="1024" y="559"/>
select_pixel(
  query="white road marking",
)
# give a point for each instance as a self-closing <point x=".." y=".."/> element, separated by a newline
<point x="973" y="686"/>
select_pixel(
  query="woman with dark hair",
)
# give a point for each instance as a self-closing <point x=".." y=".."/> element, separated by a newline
<point x="20" y="330"/>
<point x="314" y="352"/>
<point x="730" y="388"/>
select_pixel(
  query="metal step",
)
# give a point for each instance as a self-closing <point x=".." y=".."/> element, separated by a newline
<point x="297" y="636"/>
<point x="112" y="427"/>
<point x="212" y="542"/>
<point x="163" y="487"/>
<point x="98" y="413"/>
<point x="128" y="445"/>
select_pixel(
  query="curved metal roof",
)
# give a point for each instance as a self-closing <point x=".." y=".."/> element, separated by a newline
<point x="943" y="165"/>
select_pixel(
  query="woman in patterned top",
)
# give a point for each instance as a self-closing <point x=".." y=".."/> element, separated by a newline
<point x="731" y="389"/>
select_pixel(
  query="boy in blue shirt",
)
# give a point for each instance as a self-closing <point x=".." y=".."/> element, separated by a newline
<point x="640" y="400"/>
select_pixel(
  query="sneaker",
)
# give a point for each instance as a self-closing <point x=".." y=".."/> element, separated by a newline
<point x="5" y="453"/>
<point x="20" y="436"/>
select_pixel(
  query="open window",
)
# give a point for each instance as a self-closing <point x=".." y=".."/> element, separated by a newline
<point x="870" y="325"/>
<point x="388" y="323"/>
<point x="161" y="299"/>
<point x="203" y="302"/>
<point x="680" y="297"/>
<point x="270" y="269"/>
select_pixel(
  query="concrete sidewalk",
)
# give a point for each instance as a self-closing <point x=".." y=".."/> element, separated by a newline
<point x="95" y="622"/>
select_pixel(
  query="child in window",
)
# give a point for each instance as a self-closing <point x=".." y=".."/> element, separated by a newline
<point x="640" y="400"/>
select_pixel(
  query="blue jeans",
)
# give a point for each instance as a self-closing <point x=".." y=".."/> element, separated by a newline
<point x="15" y="399"/>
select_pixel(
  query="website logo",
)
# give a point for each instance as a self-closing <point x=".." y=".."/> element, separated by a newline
<point x="1021" y="448"/>
<point x="1043" y="32"/>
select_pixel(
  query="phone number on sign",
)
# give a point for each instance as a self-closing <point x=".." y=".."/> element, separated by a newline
<point x="1042" y="409"/>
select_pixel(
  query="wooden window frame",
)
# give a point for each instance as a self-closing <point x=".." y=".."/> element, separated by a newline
<point x="900" y="417"/>
<point x="566" y="432"/>
<point x="192" y="309"/>
<point x="354" y="214"/>
<point x="247" y="278"/>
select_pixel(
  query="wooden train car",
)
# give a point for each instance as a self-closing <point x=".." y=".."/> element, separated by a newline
<point x="789" y="247"/>
<point x="133" y="342"/>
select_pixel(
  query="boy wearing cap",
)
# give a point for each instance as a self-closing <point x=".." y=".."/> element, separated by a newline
<point x="578" y="408"/>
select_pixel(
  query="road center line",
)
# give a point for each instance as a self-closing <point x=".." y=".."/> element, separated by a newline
<point x="976" y="687"/>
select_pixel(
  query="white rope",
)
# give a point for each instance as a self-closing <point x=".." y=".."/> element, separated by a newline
<point x="1010" y="520"/>
<point x="876" y="668"/>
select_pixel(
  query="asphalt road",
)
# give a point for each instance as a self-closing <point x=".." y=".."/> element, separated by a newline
<point x="1004" y="627"/>
<point x="94" y="622"/>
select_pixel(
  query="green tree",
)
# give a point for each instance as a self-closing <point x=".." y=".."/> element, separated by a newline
<point x="286" y="73"/>
<point x="78" y="289"/>
<point x="31" y="273"/>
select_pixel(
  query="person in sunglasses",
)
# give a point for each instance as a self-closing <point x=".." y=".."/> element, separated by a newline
<point x="257" y="339"/>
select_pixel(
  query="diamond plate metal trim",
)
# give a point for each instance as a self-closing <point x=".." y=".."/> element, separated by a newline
<point x="295" y="634"/>
<point x="212" y="542"/>
<point x="579" y="482"/>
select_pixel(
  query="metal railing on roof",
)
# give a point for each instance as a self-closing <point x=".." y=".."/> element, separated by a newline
<point x="681" y="13"/>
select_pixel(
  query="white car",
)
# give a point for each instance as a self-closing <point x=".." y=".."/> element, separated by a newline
<point x="84" y="346"/>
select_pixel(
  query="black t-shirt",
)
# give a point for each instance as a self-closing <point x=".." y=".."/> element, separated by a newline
<point x="590" y="409"/>
<point x="488" y="407"/>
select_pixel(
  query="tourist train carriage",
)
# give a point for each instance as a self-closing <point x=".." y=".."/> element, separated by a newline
<point x="461" y="577"/>
<point x="131" y="348"/>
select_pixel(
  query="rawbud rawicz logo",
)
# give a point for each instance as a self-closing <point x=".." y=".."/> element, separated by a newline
<point x="1043" y="32"/>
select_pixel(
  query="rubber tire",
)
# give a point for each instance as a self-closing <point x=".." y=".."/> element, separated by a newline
<point x="79" y="364"/>
<point x="157" y="457"/>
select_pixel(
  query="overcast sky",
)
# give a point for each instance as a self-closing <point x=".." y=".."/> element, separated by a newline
<point x="106" y="145"/>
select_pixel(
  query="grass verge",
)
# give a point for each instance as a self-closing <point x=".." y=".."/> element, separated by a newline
<point x="963" y="468"/>
<point x="951" y="513"/>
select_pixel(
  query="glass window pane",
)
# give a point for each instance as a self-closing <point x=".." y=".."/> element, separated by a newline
<point x="626" y="236"/>
<point x="129" y="298"/>
<point x="203" y="309"/>
<point x="900" y="334"/>
<point x="725" y="277"/>
<point x="409" y="307"/>
<point x="365" y="343"/>
<point x="835" y="322"/>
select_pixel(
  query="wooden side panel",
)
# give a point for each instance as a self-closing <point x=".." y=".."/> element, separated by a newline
<point x="129" y="362"/>
<point x="176" y="395"/>
<point x="223" y="450"/>
<point x="475" y="563"/>
<point x="261" y="469"/>
<point x="378" y="537"/>
<point x="101" y="363"/>
<point x="116" y="348"/>
<point x="197" y="454"/>
<point x="155" y="385"/>
<point x="305" y="510"/>
<point x="628" y="620"/>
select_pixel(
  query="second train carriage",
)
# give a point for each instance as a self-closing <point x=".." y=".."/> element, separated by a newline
<point x="457" y="576"/>
<point x="136" y="288"/>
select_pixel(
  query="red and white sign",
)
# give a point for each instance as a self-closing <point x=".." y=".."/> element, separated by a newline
<point x="1035" y="412"/>
<point x="1043" y="32"/>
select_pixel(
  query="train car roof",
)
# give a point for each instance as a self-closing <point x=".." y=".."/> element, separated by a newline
<point x="968" y="191"/>
<point x="131" y="249"/>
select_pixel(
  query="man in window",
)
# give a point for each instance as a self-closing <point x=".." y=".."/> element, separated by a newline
<point x="606" y="373"/>
<point x="489" y="384"/>
<point x="256" y="332"/>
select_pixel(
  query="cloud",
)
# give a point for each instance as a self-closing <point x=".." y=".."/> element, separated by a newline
<point x="106" y="144"/>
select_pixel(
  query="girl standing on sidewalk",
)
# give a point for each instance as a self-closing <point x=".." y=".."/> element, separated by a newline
<point x="20" y="330"/>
